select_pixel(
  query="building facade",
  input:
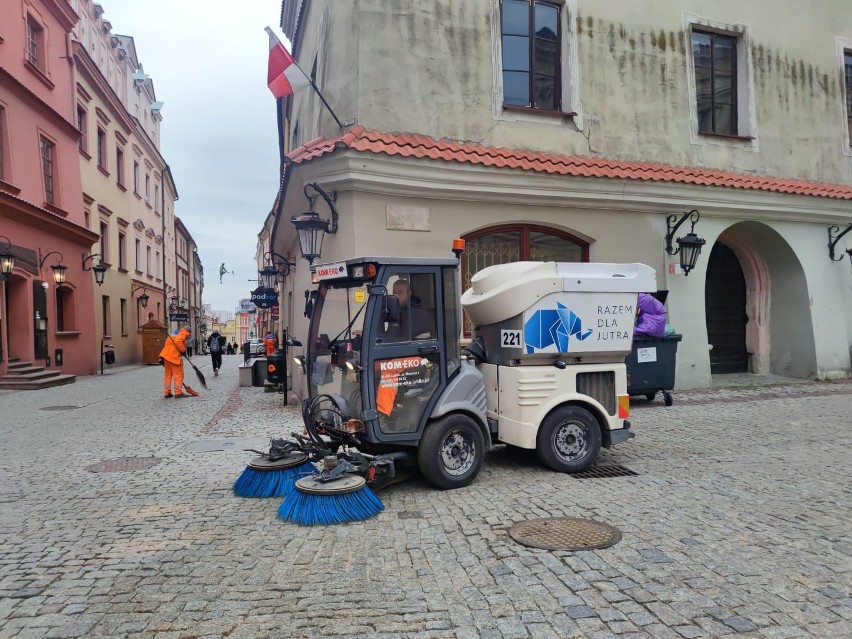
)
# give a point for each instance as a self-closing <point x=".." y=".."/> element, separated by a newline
<point x="128" y="192"/>
<point x="574" y="130"/>
<point x="46" y="302"/>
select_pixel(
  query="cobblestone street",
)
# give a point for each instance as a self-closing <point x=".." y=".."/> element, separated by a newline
<point x="737" y="524"/>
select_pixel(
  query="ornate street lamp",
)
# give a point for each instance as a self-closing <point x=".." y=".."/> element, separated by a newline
<point x="58" y="269"/>
<point x="143" y="299"/>
<point x="7" y="259"/>
<point x="311" y="227"/>
<point x="689" y="246"/>
<point x="99" y="268"/>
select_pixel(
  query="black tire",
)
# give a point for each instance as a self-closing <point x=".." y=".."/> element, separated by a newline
<point x="569" y="439"/>
<point x="451" y="451"/>
<point x="650" y="396"/>
<point x="667" y="398"/>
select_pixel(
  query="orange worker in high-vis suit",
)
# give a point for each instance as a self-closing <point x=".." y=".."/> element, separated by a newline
<point x="172" y="359"/>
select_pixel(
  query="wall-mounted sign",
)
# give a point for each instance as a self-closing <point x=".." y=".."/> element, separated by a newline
<point x="179" y="317"/>
<point x="264" y="297"/>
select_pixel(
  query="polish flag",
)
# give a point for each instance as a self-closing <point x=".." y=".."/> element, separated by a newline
<point x="284" y="77"/>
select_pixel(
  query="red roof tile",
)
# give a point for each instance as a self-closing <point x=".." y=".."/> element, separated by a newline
<point x="421" y="146"/>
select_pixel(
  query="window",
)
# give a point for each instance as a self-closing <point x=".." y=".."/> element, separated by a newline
<point x="123" y="308"/>
<point x="847" y="69"/>
<point x="715" y="58"/>
<point x="148" y="260"/>
<point x="105" y="315"/>
<point x="104" y="241"/>
<point x="157" y="264"/>
<point x="135" y="177"/>
<point x="156" y="199"/>
<point x="119" y="165"/>
<point x="147" y="188"/>
<point x="35" y="43"/>
<point x="47" y="153"/>
<point x="101" y="148"/>
<point x="83" y="143"/>
<point x="122" y="251"/>
<point x="65" y="309"/>
<point x="138" y="255"/>
<point x="514" y="243"/>
<point x="530" y="38"/>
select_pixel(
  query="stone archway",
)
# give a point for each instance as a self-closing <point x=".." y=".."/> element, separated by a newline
<point x="779" y="335"/>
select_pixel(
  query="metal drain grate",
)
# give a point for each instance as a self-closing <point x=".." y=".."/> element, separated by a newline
<point x="565" y="533"/>
<point x="123" y="464"/>
<point x="599" y="472"/>
<point x="59" y="408"/>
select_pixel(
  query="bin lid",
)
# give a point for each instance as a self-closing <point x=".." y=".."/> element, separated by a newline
<point x="154" y="325"/>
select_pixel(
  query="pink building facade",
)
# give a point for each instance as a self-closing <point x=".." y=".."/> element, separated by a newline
<point x="42" y="221"/>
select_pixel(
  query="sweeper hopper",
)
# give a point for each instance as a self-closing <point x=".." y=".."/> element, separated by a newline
<point x="540" y="312"/>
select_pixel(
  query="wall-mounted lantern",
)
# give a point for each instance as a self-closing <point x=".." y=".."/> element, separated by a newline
<point x="99" y="268"/>
<point x="688" y="246"/>
<point x="58" y="269"/>
<point x="143" y="299"/>
<point x="311" y="227"/>
<point x="7" y="259"/>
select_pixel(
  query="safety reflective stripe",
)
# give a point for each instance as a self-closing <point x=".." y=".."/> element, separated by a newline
<point x="623" y="406"/>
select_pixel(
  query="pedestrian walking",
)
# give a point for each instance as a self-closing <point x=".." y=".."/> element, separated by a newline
<point x="271" y="344"/>
<point x="190" y="344"/>
<point x="229" y="350"/>
<point x="171" y="357"/>
<point x="215" y="344"/>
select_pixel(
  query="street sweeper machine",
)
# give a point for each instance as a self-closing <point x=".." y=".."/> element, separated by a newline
<point x="390" y="388"/>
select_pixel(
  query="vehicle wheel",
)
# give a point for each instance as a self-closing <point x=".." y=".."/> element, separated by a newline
<point x="451" y="451"/>
<point x="569" y="439"/>
<point x="667" y="398"/>
<point x="650" y="396"/>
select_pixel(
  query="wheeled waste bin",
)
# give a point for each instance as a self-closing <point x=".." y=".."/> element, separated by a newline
<point x="651" y="366"/>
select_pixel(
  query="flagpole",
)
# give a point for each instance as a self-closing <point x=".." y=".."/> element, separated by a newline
<point x="311" y="80"/>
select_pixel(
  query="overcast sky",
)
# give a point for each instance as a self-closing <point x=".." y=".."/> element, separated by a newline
<point x="207" y="59"/>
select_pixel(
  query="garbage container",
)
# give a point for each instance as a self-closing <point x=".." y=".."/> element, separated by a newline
<point x="258" y="371"/>
<point x="276" y="371"/>
<point x="651" y="366"/>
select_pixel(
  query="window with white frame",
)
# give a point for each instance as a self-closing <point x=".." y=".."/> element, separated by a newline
<point x="721" y="83"/>
<point x="138" y="255"/>
<point x="534" y="50"/>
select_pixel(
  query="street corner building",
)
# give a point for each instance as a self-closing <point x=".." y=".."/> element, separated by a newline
<point x="572" y="130"/>
<point x="46" y="297"/>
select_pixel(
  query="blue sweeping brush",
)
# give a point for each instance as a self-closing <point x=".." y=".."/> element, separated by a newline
<point x="265" y="478"/>
<point x="338" y="501"/>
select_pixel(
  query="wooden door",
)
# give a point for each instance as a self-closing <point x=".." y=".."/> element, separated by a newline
<point x="725" y="302"/>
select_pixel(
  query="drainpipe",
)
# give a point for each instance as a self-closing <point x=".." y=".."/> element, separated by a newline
<point x="165" y="242"/>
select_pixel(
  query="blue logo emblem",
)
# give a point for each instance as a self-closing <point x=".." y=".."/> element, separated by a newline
<point x="553" y="326"/>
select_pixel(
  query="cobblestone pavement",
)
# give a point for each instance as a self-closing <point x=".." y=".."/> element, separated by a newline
<point x="736" y="525"/>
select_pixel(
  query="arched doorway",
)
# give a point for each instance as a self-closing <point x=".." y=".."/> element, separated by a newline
<point x="756" y="299"/>
<point x="725" y="308"/>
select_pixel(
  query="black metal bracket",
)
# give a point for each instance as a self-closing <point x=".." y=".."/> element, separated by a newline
<point x="284" y="264"/>
<point x="329" y="199"/>
<point x="89" y="258"/>
<point x="59" y="261"/>
<point x="693" y="216"/>
<point x="834" y="239"/>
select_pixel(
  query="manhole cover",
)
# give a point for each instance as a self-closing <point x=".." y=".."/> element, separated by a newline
<point x="123" y="464"/>
<point x="565" y="533"/>
<point x="598" y="472"/>
<point x="59" y="407"/>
